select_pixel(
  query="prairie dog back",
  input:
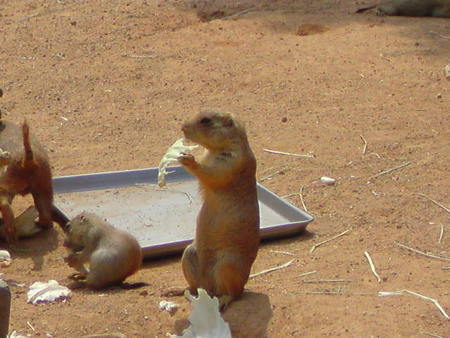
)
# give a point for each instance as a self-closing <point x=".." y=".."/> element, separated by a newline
<point x="112" y="254"/>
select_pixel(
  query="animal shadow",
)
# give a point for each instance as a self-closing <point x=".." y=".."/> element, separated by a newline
<point x="248" y="317"/>
<point x="35" y="247"/>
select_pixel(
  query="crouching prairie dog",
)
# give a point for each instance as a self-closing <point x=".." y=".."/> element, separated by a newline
<point x="112" y="254"/>
<point x="227" y="233"/>
<point x="435" y="8"/>
<point x="27" y="170"/>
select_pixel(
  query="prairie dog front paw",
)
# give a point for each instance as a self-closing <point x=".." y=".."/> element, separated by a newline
<point x="187" y="160"/>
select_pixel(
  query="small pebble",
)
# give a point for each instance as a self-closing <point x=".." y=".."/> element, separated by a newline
<point x="327" y="180"/>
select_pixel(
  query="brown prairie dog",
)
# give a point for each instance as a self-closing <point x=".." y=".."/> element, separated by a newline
<point x="435" y="8"/>
<point x="112" y="254"/>
<point x="27" y="171"/>
<point x="227" y="234"/>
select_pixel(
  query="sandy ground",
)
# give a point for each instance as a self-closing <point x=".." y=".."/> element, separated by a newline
<point x="105" y="85"/>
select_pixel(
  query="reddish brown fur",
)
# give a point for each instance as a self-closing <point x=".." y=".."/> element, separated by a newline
<point x="28" y="171"/>
<point x="227" y="234"/>
<point x="112" y="254"/>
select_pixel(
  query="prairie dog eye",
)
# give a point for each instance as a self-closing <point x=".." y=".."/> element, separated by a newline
<point x="205" y="120"/>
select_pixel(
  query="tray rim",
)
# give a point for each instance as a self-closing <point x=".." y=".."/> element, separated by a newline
<point x="144" y="176"/>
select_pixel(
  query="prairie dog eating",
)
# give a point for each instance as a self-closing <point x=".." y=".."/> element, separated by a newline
<point x="227" y="233"/>
<point x="112" y="254"/>
<point x="435" y="8"/>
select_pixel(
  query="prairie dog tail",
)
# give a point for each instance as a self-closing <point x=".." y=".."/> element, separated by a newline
<point x="28" y="159"/>
<point x="365" y="9"/>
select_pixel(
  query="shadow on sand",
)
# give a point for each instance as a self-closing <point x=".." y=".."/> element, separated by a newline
<point x="248" y="317"/>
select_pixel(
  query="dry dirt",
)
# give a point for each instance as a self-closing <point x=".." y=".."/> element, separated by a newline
<point x="105" y="85"/>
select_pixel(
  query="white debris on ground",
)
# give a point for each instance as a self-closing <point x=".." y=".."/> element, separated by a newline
<point x="5" y="159"/>
<point x="206" y="320"/>
<point x="5" y="258"/>
<point x="174" y="151"/>
<point x="15" y="334"/>
<point x="47" y="292"/>
<point x="170" y="307"/>
<point x="327" y="180"/>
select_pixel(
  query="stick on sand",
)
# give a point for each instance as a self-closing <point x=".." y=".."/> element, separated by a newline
<point x="402" y="292"/>
<point x="328" y="240"/>
<point x="272" y="269"/>
<point x="422" y="253"/>
<point x="287" y="154"/>
<point x="372" y="266"/>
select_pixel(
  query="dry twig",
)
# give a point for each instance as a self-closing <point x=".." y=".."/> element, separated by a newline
<point x="31" y="326"/>
<point x="287" y="154"/>
<point x="441" y="234"/>
<point x="307" y="273"/>
<point x="328" y="240"/>
<point x="338" y="292"/>
<point x="320" y="281"/>
<point x="267" y="170"/>
<point x="285" y="265"/>
<point x="238" y="14"/>
<point x="387" y="171"/>
<point x="106" y="335"/>
<point x="282" y="170"/>
<point x="431" y="334"/>
<point x="402" y="292"/>
<point x="291" y="195"/>
<point x="301" y="198"/>
<point x="143" y="56"/>
<point x="372" y="266"/>
<point x="300" y="194"/>
<point x="440" y="35"/>
<point x="375" y="154"/>
<point x="447" y="71"/>
<point x="282" y="252"/>
<point x="365" y="144"/>
<point x="422" y="253"/>
<point x="435" y="202"/>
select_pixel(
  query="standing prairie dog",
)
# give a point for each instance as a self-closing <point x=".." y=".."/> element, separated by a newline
<point x="112" y="254"/>
<point x="227" y="234"/>
<point x="435" y="8"/>
<point x="27" y="170"/>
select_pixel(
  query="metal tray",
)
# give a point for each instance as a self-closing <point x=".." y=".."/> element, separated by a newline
<point x="162" y="220"/>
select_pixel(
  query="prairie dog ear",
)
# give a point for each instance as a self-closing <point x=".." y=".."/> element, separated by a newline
<point x="228" y="121"/>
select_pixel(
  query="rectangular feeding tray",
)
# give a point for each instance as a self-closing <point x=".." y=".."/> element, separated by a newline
<point x="162" y="220"/>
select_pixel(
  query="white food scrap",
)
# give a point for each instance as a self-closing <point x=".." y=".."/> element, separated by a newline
<point x="205" y="319"/>
<point x="47" y="292"/>
<point x="327" y="180"/>
<point x="170" y="307"/>
<point x="5" y="159"/>
<point x="172" y="154"/>
<point x="15" y="334"/>
<point x="5" y="258"/>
